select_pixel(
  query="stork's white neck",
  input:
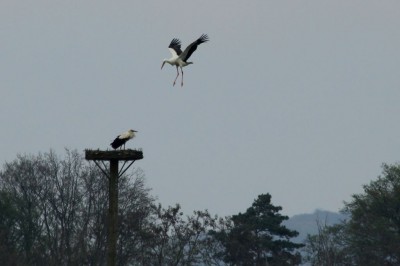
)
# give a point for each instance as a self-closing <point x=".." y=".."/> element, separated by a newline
<point x="170" y="61"/>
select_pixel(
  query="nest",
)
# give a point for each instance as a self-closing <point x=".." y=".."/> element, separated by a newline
<point x="117" y="155"/>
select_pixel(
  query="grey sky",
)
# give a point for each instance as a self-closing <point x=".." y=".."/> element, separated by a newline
<point x="296" y="98"/>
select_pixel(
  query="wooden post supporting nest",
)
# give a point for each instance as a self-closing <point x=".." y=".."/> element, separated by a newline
<point x="113" y="157"/>
<point x="112" y="213"/>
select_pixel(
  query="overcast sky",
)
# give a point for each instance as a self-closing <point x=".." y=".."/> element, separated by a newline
<point x="299" y="99"/>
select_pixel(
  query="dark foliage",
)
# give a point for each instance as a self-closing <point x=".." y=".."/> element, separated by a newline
<point x="374" y="227"/>
<point x="371" y="236"/>
<point x="257" y="237"/>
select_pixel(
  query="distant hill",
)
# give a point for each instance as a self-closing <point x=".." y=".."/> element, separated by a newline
<point x="307" y="223"/>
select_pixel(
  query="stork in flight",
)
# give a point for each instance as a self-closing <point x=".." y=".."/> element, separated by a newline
<point x="179" y="58"/>
<point x="123" y="138"/>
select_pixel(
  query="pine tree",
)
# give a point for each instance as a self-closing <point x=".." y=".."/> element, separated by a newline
<point x="257" y="237"/>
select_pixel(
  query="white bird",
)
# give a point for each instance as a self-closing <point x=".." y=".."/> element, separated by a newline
<point x="179" y="58"/>
<point x="123" y="138"/>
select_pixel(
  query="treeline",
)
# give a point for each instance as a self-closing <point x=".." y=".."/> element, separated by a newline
<point x="371" y="236"/>
<point x="53" y="211"/>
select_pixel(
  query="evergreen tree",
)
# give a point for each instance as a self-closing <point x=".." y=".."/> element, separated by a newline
<point x="257" y="237"/>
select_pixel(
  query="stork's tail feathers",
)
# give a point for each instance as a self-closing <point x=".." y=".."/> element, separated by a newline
<point x="117" y="143"/>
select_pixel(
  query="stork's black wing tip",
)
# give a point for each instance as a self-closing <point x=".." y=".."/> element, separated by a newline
<point x="204" y="38"/>
<point x="175" y="42"/>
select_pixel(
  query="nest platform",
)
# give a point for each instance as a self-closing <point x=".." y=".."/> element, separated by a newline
<point x="114" y="155"/>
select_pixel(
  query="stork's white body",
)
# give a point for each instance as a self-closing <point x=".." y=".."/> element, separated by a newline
<point x="177" y="61"/>
<point x="127" y="135"/>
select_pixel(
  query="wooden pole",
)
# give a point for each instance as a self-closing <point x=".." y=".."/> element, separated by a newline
<point x="113" y="213"/>
<point x="113" y="157"/>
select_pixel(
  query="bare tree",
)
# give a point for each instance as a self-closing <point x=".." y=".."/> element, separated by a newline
<point x="173" y="239"/>
<point x="61" y="208"/>
<point x="328" y="246"/>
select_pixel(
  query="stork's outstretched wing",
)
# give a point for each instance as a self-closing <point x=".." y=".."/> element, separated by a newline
<point x="192" y="47"/>
<point x="175" y="47"/>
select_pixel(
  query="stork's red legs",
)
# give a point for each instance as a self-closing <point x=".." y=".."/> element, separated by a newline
<point x="177" y="75"/>
<point x="182" y="78"/>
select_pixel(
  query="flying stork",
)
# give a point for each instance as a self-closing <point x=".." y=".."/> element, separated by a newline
<point x="179" y="58"/>
<point x="123" y="138"/>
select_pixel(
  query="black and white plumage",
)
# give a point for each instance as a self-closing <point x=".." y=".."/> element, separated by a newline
<point x="123" y="138"/>
<point x="179" y="58"/>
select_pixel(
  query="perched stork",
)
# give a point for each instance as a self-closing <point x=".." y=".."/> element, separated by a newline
<point x="179" y="58"/>
<point x="123" y="138"/>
